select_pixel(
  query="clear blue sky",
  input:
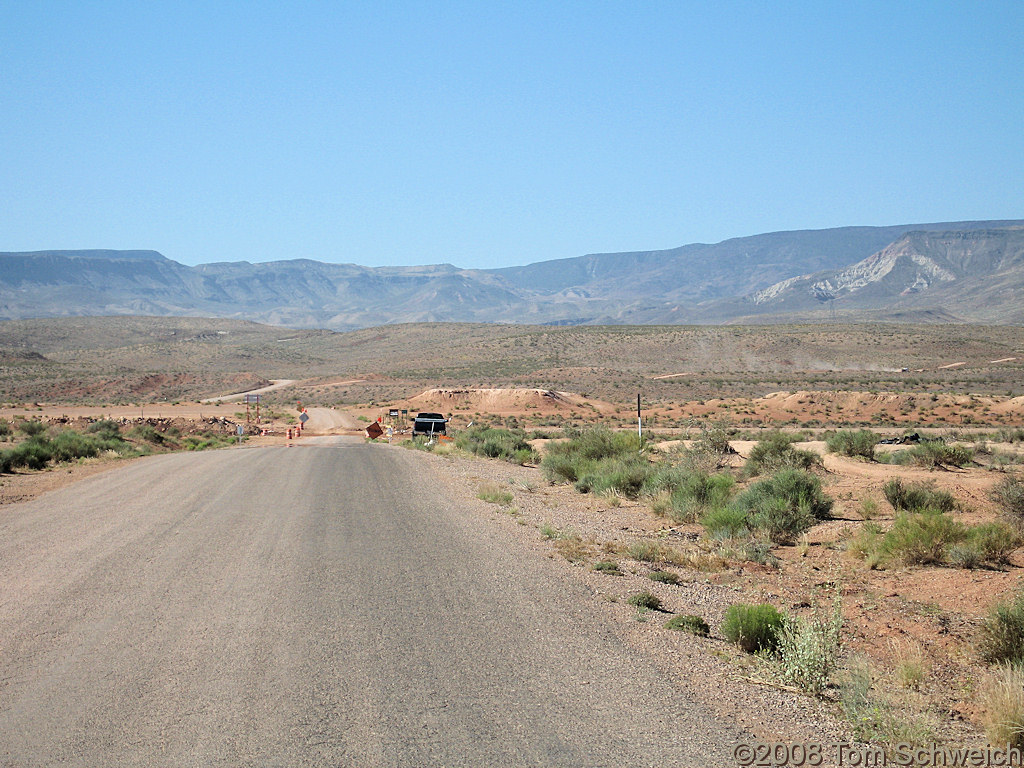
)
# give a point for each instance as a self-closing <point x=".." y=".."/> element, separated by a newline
<point x="490" y="134"/>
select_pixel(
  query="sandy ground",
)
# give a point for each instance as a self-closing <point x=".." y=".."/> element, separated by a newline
<point x="329" y="421"/>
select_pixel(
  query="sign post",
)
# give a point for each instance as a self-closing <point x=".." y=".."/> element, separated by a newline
<point x="639" y="422"/>
<point x="252" y="399"/>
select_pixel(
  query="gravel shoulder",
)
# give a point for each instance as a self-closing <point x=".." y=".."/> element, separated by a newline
<point x="707" y="670"/>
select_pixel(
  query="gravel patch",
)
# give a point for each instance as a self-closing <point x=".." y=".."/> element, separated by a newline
<point x="708" y="670"/>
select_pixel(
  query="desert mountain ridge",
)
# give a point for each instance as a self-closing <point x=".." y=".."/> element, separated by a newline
<point x="944" y="272"/>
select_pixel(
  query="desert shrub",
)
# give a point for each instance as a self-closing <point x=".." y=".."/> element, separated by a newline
<point x="1002" y="705"/>
<point x="781" y="520"/>
<point x="609" y="567"/>
<point x="935" y="453"/>
<point x="506" y="444"/>
<point x="727" y="522"/>
<point x="107" y="428"/>
<point x="915" y="497"/>
<point x="31" y="428"/>
<point x="1010" y="435"/>
<point x="560" y="468"/>
<point x="628" y="475"/>
<point x="752" y="627"/>
<point x="848" y="442"/>
<point x="599" y="460"/>
<point x="1009" y="495"/>
<point x="663" y="577"/>
<point x="1002" y="632"/>
<point x="34" y="453"/>
<point x="524" y="456"/>
<point x="148" y="433"/>
<point x="68" y="446"/>
<point x="934" y="537"/>
<point x="714" y="439"/>
<point x="919" y="538"/>
<point x="775" y="451"/>
<point x="808" y="649"/>
<point x="756" y="550"/>
<point x="698" y="493"/>
<point x="899" y="458"/>
<point x="207" y="440"/>
<point x="867" y="540"/>
<point x="993" y="542"/>
<point x="597" y="443"/>
<point x="868" y="508"/>
<point x="695" y="625"/>
<point x="5" y="428"/>
<point x="964" y="556"/>
<point x="784" y="505"/>
<point x="645" y="600"/>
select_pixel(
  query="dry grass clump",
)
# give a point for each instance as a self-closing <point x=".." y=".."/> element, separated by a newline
<point x="493" y="493"/>
<point x="911" y="663"/>
<point x="691" y="557"/>
<point x="880" y="714"/>
<point x="1002" y="703"/>
<point x="1002" y="633"/>
<point x="573" y="548"/>
<point x="1009" y="495"/>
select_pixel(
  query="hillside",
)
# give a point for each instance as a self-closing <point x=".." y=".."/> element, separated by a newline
<point x="969" y="271"/>
<point x="975" y="275"/>
<point x="141" y="359"/>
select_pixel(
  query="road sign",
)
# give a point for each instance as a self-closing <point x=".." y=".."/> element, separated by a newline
<point x="304" y="417"/>
<point x="239" y="430"/>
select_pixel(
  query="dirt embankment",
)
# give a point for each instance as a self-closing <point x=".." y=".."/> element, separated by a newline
<point x="506" y="402"/>
<point x="840" y="407"/>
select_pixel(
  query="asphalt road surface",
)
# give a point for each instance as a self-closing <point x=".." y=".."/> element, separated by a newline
<point x="320" y="605"/>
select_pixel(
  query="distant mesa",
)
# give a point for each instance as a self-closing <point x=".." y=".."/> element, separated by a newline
<point x="968" y="271"/>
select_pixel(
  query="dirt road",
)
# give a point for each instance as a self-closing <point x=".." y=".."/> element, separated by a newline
<point x="274" y="384"/>
<point x="325" y="421"/>
<point x="315" y="605"/>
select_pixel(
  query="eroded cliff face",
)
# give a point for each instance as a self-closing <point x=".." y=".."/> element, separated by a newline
<point x="978" y="268"/>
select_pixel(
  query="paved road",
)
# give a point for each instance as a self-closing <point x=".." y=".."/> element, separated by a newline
<point x="308" y="606"/>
